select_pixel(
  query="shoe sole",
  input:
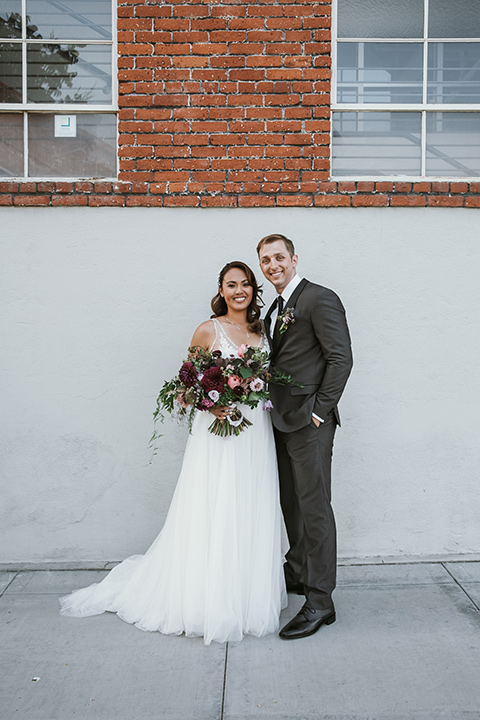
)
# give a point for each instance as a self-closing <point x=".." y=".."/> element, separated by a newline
<point x="328" y="621"/>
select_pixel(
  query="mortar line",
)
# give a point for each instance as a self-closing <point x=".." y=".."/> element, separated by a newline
<point x="224" y="689"/>
<point x="460" y="586"/>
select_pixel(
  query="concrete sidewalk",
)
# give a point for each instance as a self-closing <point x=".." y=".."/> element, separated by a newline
<point x="406" y="645"/>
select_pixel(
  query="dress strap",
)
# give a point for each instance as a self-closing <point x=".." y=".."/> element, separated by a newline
<point x="215" y="339"/>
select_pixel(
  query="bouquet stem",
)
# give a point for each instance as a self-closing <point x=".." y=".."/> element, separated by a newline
<point x="233" y="425"/>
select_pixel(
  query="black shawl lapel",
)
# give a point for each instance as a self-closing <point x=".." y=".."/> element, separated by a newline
<point x="267" y="322"/>
<point x="277" y="338"/>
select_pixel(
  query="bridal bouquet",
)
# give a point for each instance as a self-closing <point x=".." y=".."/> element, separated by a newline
<point x="208" y="380"/>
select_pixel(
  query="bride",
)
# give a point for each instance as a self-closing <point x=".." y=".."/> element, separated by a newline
<point x="216" y="568"/>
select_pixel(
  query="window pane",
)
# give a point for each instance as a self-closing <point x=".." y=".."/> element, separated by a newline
<point x="453" y="144"/>
<point x="10" y="73"/>
<point x="11" y="18"/>
<point x="377" y="18"/>
<point x="72" y="19"/>
<point x="11" y="144"/>
<point x="92" y="153"/>
<point x="378" y="143"/>
<point x="379" y="72"/>
<point x="453" y="73"/>
<point x="453" y="19"/>
<point x="69" y="73"/>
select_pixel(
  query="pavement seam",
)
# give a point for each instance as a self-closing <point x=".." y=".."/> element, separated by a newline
<point x="461" y="586"/>
<point x="7" y="586"/>
<point x="224" y="689"/>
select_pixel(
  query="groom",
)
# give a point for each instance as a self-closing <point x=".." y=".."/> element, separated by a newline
<point x="309" y="340"/>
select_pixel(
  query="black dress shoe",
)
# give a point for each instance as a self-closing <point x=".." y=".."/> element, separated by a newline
<point x="307" y="622"/>
<point x="296" y="588"/>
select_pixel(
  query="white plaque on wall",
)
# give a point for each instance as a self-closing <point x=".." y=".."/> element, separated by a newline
<point x="65" y="126"/>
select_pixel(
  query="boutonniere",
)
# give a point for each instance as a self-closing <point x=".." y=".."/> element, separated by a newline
<point x="287" y="318"/>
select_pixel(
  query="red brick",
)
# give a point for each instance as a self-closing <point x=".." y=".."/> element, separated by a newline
<point x="106" y="200"/>
<point x="246" y="23"/>
<point x="33" y="200"/>
<point x="193" y="10"/>
<point x="102" y="186"/>
<point x="8" y="187"/>
<point x="346" y="186"/>
<point x="81" y="187"/>
<point x="332" y="200"/>
<point x="265" y="139"/>
<point x="226" y="201"/>
<point x="402" y="187"/>
<point x="440" y="187"/>
<point x="294" y="201"/>
<point x="126" y="187"/>
<point x="267" y="11"/>
<point x="459" y="187"/>
<point x="68" y="200"/>
<point x="282" y="99"/>
<point x="135" y="49"/>
<point x="475" y="187"/>
<point x="384" y="186"/>
<point x="190" y="139"/>
<point x="255" y="201"/>
<point x="143" y="201"/>
<point x="422" y="187"/>
<point x="209" y="48"/>
<point x="297" y="139"/>
<point x="6" y="200"/>
<point x="408" y="201"/>
<point x="472" y="201"/>
<point x="327" y="187"/>
<point x="181" y="201"/>
<point x="365" y="186"/>
<point x="45" y="187"/>
<point x="445" y="200"/>
<point x="369" y="200"/>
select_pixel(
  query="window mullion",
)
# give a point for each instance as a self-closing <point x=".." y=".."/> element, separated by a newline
<point x="424" y="144"/>
<point x="25" y="144"/>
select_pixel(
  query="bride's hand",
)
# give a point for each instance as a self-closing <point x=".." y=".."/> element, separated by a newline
<point x="221" y="412"/>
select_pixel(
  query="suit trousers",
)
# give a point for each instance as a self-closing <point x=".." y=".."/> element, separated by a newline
<point x="304" y="464"/>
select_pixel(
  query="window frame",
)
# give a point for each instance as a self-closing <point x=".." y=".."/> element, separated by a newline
<point x="28" y="108"/>
<point x="424" y="108"/>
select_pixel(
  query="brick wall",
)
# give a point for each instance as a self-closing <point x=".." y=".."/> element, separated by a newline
<point x="226" y="103"/>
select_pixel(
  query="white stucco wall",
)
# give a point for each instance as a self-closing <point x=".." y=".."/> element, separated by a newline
<point x="99" y="305"/>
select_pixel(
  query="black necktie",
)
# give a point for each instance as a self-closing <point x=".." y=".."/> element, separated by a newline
<point x="280" y="304"/>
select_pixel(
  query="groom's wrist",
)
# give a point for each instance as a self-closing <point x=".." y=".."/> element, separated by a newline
<point x="318" y="418"/>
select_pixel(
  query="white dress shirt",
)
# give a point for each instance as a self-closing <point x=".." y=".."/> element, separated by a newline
<point x="286" y="294"/>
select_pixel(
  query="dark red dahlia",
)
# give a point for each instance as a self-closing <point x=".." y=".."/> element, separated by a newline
<point x="188" y="374"/>
<point x="213" y="380"/>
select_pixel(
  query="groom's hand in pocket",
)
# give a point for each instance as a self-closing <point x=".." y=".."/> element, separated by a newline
<point x="316" y="421"/>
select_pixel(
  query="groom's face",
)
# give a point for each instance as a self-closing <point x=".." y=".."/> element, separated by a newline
<point x="277" y="264"/>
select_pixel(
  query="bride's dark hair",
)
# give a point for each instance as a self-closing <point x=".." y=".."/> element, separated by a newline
<point x="219" y="306"/>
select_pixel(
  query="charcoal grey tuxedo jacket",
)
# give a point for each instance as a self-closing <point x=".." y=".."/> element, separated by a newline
<point x="316" y="351"/>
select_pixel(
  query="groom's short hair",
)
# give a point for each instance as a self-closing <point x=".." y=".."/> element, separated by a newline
<point x="273" y="238"/>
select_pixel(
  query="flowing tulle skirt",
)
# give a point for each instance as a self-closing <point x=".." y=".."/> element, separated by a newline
<point x="216" y="568"/>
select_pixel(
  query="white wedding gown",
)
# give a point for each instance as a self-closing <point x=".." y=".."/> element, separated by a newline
<point x="216" y="568"/>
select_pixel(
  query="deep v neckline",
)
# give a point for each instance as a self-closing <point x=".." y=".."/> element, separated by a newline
<point x="223" y="338"/>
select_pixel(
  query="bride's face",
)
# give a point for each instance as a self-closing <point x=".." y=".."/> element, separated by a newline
<point x="236" y="290"/>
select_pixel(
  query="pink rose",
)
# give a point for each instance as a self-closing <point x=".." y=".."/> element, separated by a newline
<point x="181" y="400"/>
<point x="233" y="381"/>
<point x="241" y="350"/>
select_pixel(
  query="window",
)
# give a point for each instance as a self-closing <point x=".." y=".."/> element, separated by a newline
<point x="406" y="89"/>
<point x="57" y="98"/>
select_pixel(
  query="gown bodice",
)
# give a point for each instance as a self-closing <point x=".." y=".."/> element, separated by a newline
<point x="224" y="343"/>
